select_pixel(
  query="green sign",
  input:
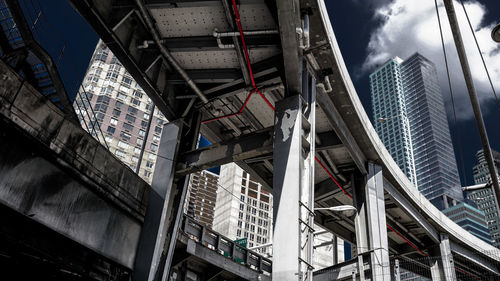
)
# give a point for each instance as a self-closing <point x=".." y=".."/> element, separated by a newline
<point x="242" y="242"/>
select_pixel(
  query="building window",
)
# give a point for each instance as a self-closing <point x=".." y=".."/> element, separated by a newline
<point x="123" y="144"/>
<point x="103" y="99"/>
<point x="130" y="118"/>
<point x="127" y="81"/>
<point x="138" y="94"/>
<point x="142" y="133"/>
<point x="149" y="164"/>
<point x="118" y="104"/>
<point x="116" y="112"/>
<point x="124" y="135"/>
<point x="154" y="147"/>
<point x="157" y="129"/>
<point x="128" y="127"/>
<point x="146" y="116"/>
<point x="111" y="130"/>
<point x="135" y="101"/>
<point x="132" y="110"/>
<point x="139" y="141"/>
<point x="144" y="123"/>
<point x="121" y="96"/>
<point x="147" y="174"/>
<point x="156" y="138"/>
<point x="137" y="150"/>
<point x="120" y="153"/>
<point x="113" y="121"/>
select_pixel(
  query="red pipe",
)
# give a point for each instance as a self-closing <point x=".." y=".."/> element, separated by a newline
<point x="407" y="241"/>
<point x="249" y="65"/>
<point x="330" y="175"/>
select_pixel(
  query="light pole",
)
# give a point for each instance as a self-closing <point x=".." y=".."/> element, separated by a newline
<point x="412" y="158"/>
<point x="495" y="33"/>
<point x="347" y="210"/>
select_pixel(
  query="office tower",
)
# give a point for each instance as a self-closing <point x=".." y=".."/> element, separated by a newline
<point x="469" y="218"/>
<point x="122" y="110"/>
<point x="410" y="117"/>
<point x="201" y="197"/>
<point x="389" y="110"/>
<point x="243" y="208"/>
<point x="484" y="198"/>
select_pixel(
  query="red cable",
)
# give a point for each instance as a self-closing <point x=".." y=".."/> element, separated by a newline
<point x="407" y="241"/>
<point x="245" y="50"/>
<point x="336" y="182"/>
<point x="247" y="59"/>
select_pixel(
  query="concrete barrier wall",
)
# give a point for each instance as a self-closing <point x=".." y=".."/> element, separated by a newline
<point x="56" y="173"/>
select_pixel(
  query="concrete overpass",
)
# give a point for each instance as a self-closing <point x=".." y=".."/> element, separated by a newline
<point x="266" y="83"/>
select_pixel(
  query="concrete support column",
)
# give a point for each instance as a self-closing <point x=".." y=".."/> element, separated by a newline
<point x="164" y="210"/>
<point x="396" y="273"/>
<point x="370" y="221"/>
<point x="448" y="264"/>
<point x="443" y="266"/>
<point x="293" y="185"/>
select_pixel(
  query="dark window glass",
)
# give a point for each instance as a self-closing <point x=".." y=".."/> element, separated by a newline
<point x="132" y="110"/>
<point x="111" y="130"/>
<point x="116" y="112"/>
<point x="128" y="127"/>
<point x="130" y="118"/>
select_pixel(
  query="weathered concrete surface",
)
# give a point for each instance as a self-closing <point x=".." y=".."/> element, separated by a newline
<point x="56" y="173"/>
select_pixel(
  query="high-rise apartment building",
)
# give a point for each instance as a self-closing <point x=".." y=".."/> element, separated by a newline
<point x="484" y="198"/>
<point x="122" y="110"/>
<point x="410" y="118"/>
<point x="243" y="208"/>
<point x="201" y="197"/>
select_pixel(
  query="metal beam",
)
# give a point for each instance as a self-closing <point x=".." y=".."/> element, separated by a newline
<point x="238" y="149"/>
<point x="473" y="258"/>
<point x="164" y="211"/>
<point x="412" y="211"/>
<point x="218" y="75"/>
<point x="103" y="16"/>
<point x="341" y="129"/>
<point x="290" y="24"/>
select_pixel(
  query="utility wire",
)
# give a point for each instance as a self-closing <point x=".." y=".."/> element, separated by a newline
<point x="481" y="54"/>
<point x="457" y="135"/>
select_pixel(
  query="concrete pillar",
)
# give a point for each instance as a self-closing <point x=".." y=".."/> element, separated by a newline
<point x="293" y="185"/>
<point x="443" y="265"/>
<point x="370" y="221"/>
<point x="448" y="264"/>
<point x="164" y="210"/>
<point x="396" y="271"/>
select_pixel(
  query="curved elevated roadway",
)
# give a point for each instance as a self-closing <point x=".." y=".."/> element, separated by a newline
<point x="266" y="101"/>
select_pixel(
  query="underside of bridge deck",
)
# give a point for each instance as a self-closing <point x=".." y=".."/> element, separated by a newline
<point x="265" y="82"/>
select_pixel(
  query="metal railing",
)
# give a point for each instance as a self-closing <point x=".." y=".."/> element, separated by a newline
<point x="225" y="246"/>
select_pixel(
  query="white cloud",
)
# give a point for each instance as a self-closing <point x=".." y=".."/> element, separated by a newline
<point x="409" y="26"/>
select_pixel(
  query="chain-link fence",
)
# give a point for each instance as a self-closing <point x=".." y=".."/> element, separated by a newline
<point x="403" y="268"/>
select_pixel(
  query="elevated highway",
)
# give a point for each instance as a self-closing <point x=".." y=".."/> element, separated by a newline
<point x="266" y="83"/>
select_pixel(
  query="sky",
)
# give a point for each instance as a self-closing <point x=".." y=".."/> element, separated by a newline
<point x="368" y="32"/>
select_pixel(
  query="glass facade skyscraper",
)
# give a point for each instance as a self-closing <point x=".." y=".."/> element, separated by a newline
<point x="410" y="118"/>
<point x="484" y="198"/>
